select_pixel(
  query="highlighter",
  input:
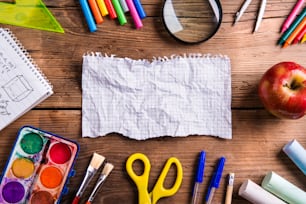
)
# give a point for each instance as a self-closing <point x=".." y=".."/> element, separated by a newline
<point x="88" y="16"/>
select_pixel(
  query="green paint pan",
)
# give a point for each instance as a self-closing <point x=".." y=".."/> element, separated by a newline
<point x="28" y="13"/>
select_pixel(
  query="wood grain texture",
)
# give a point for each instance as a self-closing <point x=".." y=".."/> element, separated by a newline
<point x="257" y="136"/>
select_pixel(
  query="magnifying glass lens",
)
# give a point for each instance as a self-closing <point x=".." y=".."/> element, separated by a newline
<point x="192" y="21"/>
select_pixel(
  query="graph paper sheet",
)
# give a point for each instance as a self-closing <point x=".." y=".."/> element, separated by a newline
<point x="140" y="99"/>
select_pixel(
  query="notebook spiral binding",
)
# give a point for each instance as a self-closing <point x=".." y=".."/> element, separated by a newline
<point x="26" y="57"/>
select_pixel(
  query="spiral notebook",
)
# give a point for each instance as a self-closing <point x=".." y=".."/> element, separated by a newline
<point x="22" y="84"/>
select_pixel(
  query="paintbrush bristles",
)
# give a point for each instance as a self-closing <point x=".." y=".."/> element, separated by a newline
<point x="96" y="161"/>
<point x="107" y="169"/>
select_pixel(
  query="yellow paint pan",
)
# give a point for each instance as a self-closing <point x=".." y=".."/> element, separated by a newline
<point x="28" y="13"/>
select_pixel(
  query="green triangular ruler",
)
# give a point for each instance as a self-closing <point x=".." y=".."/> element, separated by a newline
<point x="30" y="14"/>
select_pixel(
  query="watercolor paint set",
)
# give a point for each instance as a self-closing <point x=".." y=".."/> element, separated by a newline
<point x="38" y="168"/>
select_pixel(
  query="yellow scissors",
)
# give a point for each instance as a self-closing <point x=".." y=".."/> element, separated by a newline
<point x="141" y="181"/>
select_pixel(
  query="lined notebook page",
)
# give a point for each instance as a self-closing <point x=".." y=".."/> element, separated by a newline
<point x="22" y="85"/>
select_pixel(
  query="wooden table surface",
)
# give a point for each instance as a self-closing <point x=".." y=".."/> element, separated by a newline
<point x="258" y="137"/>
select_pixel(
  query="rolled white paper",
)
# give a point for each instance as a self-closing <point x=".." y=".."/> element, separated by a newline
<point x="297" y="154"/>
<point x="257" y="195"/>
<point x="283" y="189"/>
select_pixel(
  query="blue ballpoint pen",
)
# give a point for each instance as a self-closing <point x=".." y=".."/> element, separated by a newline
<point x="199" y="177"/>
<point x="215" y="181"/>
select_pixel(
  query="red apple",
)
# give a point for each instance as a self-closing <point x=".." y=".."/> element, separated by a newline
<point x="282" y="90"/>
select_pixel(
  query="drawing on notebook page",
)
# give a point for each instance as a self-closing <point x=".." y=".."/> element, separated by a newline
<point x="3" y="107"/>
<point x="17" y="88"/>
<point x="5" y="65"/>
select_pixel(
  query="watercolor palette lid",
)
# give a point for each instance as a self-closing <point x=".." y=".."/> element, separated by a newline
<point x="38" y="168"/>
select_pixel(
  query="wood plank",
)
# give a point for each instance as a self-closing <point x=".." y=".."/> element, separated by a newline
<point x="254" y="150"/>
<point x="60" y="55"/>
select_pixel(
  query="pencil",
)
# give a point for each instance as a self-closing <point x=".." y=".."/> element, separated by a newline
<point x="95" y="163"/>
<point x="304" y="39"/>
<point x="295" y="33"/>
<point x="292" y="15"/>
<point x="229" y="189"/>
<point x="104" y="174"/>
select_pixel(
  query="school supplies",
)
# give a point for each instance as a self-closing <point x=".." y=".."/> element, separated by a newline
<point x="229" y="188"/>
<point x="259" y="16"/>
<point x="304" y="39"/>
<point x="256" y="194"/>
<point x="283" y="189"/>
<point x="292" y="15"/>
<point x="199" y="177"/>
<point x="108" y="167"/>
<point x="39" y="168"/>
<point x="119" y="12"/>
<point x="296" y="152"/>
<point x="194" y="22"/>
<point x="95" y="11"/>
<point x="88" y="16"/>
<point x="294" y="33"/>
<point x="299" y="37"/>
<point x="141" y="181"/>
<point x="22" y="84"/>
<point x="133" y="12"/>
<point x="215" y="181"/>
<point x="292" y="27"/>
<point x="166" y="97"/>
<point x="30" y="14"/>
<point x="95" y="163"/>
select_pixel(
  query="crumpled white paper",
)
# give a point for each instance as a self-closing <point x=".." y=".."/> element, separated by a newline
<point x="176" y="96"/>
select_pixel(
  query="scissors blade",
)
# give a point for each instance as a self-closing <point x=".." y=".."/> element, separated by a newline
<point x="242" y="10"/>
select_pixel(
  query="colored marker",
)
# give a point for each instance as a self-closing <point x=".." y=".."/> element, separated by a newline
<point x="134" y="14"/>
<point x="292" y="15"/>
<point x="295" y="33"/>
<point x="119" y="12"/>
<point x="88" y="16"/>
<point x="142" y="14"/>
<point x="102" y="7"/>
<point x="95" y="11"/>
<point x="199" y="177"/>
<point x="215" y="181"/>
<point x="298" y="38"/>
<point x="110" y="8"/>
<point x="304" y="39"/>
<point x="124" y="6"/>
<point x="292" y="27"/>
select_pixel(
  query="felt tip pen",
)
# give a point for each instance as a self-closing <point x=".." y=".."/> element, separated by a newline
<point x="95" y="11"/>
<point x="110" y="8"/>
<point x="304" y="39"/>
<point x="102" y="7"/>
<point x="295" y="23"/>
<point x="292" y="15"/>
<point x="88" y="16"/>
<point x="295" y="33"/>
<point x="299" y="37"/>
<point x="142" y="14"/>
<point x="199" y="177"/>
<point x="134" y="14"/>
<point x="215" y="181"/>
<point x="124" y="6"/>
<point x="119" y="12"/>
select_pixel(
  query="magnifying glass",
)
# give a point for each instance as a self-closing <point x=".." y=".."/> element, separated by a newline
<point x="192" y="21"/>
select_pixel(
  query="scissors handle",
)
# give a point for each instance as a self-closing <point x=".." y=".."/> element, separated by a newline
<point x="142" y="180"/>
<point x="159" y="191"/>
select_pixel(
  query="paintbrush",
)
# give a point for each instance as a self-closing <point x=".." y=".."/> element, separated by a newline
<point x="95" y="163"/>
<point x="105" y="172"/>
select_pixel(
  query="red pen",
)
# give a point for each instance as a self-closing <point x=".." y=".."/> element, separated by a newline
<point x="299" y="37"/>
<point x="111" y="9"/>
